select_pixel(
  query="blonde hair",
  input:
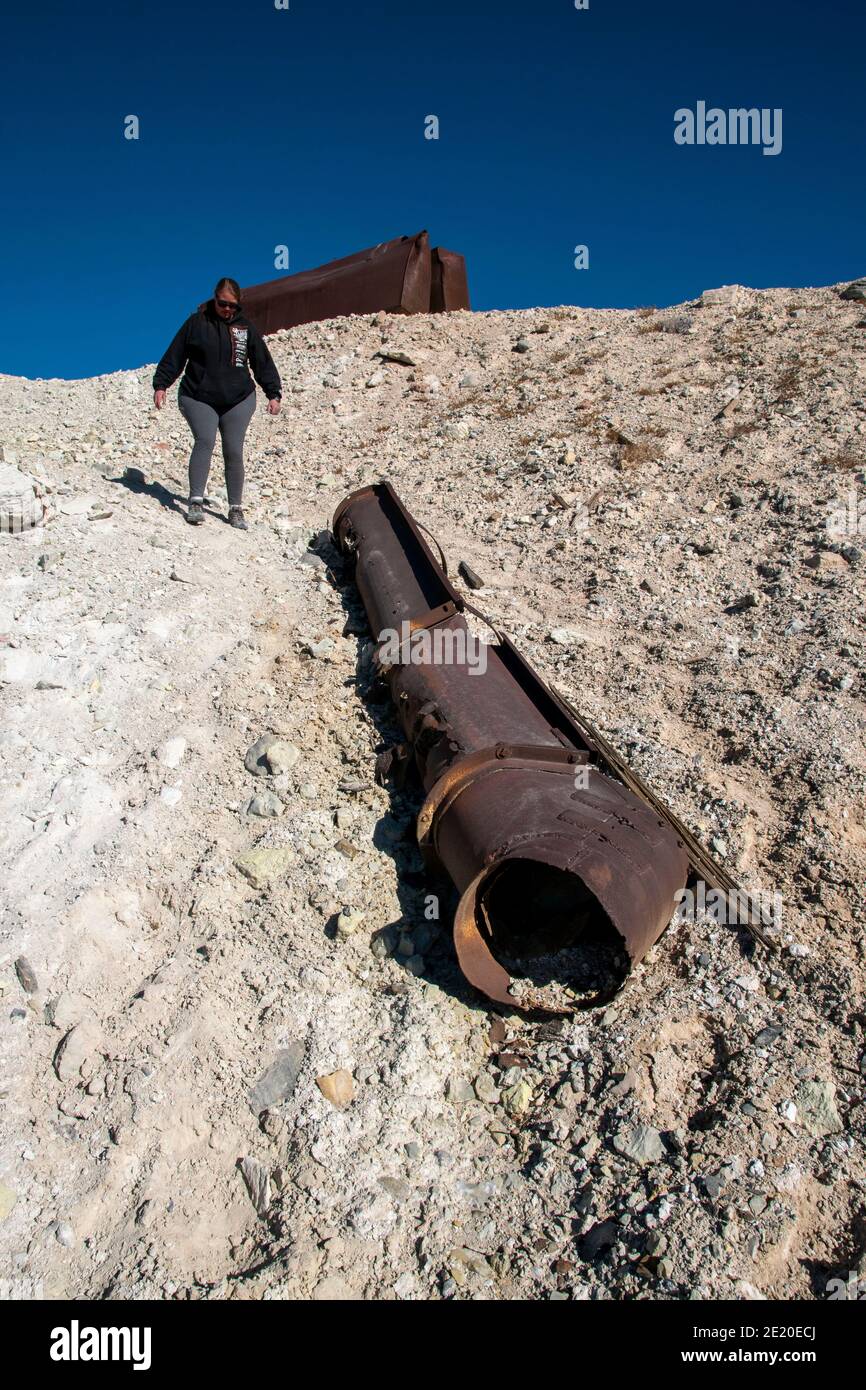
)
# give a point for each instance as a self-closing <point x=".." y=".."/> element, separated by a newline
<point x="232" y="284"/>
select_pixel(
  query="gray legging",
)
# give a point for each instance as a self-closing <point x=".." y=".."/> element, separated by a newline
<point x="204" y="421"/>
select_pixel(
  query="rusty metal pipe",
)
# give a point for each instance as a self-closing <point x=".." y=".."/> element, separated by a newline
<point x="523" y="810"/>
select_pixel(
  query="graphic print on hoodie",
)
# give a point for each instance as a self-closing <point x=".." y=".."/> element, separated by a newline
<point x="239" y="345"/>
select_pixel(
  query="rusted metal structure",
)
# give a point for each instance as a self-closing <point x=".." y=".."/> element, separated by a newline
<point x="449" y="288"/>
<point x="525" y="809"/>
<point x="402" y="276"/>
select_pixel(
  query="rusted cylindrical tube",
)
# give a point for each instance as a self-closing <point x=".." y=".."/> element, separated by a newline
<point x="540" y="842"/>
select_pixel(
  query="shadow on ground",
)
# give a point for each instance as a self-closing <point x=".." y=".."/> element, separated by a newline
<point x="166" y="498"/>
<point x="420" y="939"/>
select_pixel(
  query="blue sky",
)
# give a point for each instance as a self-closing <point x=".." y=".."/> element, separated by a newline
<point x="305" y="127"/>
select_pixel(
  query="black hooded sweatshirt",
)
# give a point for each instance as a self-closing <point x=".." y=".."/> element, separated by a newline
<point x="217" y="354"/>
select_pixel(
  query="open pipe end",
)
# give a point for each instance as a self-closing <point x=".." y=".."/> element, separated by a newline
<point x="533" y="936"/>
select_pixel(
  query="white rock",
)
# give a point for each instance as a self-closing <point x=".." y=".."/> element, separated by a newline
<point x="75" y="1053"/>
<point x="457" y="429"/>
<point x="348" y="922"/>
<point x="170" y="753"/>
<point x="78" y="506"/>
<point x="64" y="1234"/>
<point x="258" y="1183"/>
<point x="725" y="296"/>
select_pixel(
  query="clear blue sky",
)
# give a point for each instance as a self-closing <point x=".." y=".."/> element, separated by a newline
<point x="306" y="127"/>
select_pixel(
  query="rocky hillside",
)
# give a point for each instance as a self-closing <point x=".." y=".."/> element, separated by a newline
<point x="237" y="1057"/>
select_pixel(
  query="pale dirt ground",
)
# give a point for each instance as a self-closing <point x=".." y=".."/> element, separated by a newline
<point x="594" y="484"/>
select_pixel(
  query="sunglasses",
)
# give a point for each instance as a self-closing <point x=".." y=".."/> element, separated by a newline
<point x="228" y="304"/>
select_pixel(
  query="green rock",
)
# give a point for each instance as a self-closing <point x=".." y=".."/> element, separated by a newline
<point x="517" y="1098"/>
<point x="263" y="866"/>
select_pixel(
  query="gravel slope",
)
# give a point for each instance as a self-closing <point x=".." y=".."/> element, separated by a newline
<point x="646" y="496"/>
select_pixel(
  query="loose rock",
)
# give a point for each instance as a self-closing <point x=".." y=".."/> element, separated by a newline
<point x="337" y="1087"/>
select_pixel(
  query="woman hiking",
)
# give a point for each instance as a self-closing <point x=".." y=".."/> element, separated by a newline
<point x="216" y="392"/>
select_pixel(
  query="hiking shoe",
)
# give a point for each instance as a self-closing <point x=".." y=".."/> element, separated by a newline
<point x="237" y="519"/>
<point x="195" y="511"/>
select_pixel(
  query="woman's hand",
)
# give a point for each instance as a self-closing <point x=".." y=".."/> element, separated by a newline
<point x="273" y="407"/>
<point x="159" y="399"/>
